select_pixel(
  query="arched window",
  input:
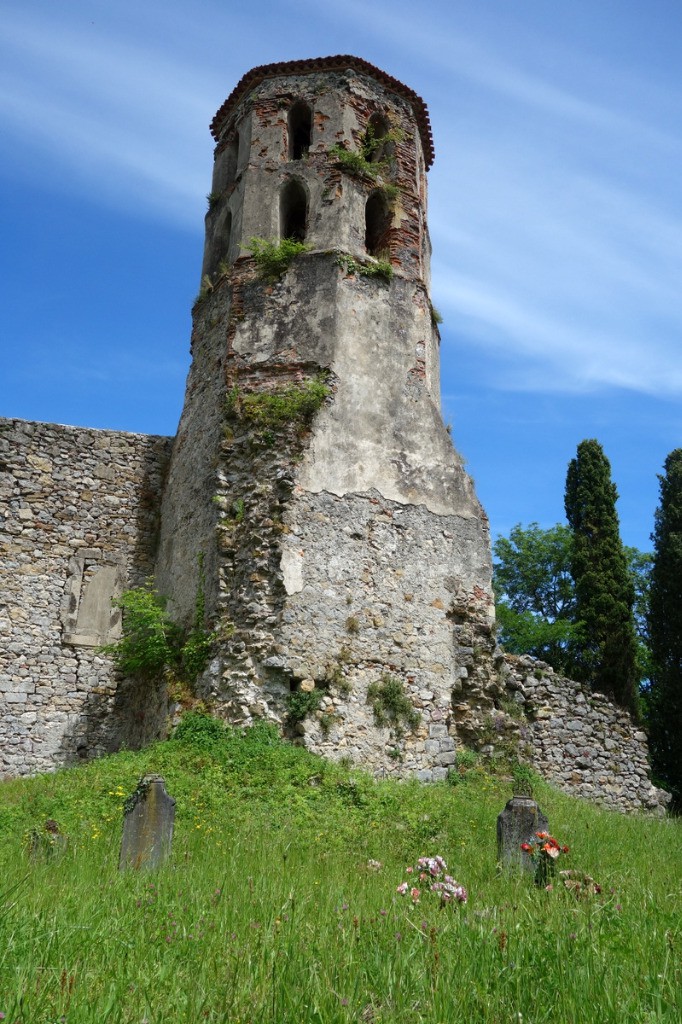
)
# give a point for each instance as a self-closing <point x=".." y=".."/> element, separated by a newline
<point x="232" y="159"/>
<point x="377" y="129"/>
<point x="293" y="211"/>
<point x="377" y="224"/>
<point x="223" y="238"/>
<point x="300" y="125"/>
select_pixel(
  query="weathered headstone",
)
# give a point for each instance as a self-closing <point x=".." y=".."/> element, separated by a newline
<point x="147" y="825"/>
<point x="47" y="844"/>
<point x="517" y="824"/>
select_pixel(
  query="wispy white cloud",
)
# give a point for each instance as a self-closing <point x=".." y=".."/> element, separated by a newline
<point x="577" y="274"/>
<point x="126" y="120"/>
<point x="556" y="204"/>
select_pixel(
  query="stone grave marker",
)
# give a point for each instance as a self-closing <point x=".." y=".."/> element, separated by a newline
<point x="517" y="824"/>
<point x="48" y="843"/>
<point x="148" y="823"/>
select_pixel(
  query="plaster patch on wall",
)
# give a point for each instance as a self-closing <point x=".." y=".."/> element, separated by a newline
<point x="89" y="616"/>
<point x="292" y="570"/>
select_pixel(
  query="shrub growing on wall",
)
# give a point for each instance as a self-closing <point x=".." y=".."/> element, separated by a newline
<point x="152" y="644"/>
<point x="149" y="637"/>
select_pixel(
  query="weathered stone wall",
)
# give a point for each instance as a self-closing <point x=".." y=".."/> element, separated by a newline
<point x="352" y="549"/>
<point x="78" y="523"/>
<point x="579" y="740"/>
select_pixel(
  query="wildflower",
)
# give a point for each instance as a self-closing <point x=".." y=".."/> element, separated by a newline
<point x="432" y="873"/>
<point x="544" y="851"/>
<point x="374" y="865"/>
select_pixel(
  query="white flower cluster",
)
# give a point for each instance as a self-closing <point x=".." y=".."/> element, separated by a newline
<point x="432" y="875"/>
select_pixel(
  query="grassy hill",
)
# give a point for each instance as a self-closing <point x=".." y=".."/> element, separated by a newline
<point x="269" y="910"/>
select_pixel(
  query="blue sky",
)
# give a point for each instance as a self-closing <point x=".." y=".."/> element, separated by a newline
<point x="555" y="214"/>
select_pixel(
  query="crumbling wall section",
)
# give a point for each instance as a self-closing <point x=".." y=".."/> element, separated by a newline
<point x="579" y="740"/>
<point x="78" y="523"/>
<point x="351" y="548"/>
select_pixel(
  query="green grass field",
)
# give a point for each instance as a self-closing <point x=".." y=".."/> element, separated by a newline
<point x="269" y="912"/>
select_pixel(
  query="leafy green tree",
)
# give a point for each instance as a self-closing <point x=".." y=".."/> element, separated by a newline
<point x="665" y="630"/>
<point x="605" y="595"/>
<point x="535" y="594"/>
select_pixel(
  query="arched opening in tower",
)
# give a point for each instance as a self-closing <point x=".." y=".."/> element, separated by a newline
<point x="232" y="159"/>
<point x="224" y="237"/>
<point x="293" y="211"/>
<point x="377" y="224"/>
<point x="300" y="125"/>
<point x="377" y="130"/>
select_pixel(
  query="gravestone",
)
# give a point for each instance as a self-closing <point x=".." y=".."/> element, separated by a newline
<point x="147" y="825"/>
<point x="48" y="843"/>
<point x="517" y="824"/>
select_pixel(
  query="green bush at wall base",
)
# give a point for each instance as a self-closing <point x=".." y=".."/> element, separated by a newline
<point x="152" y="645"/>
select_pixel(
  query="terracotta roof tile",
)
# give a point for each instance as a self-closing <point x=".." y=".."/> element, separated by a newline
<point x="339" y="63"/>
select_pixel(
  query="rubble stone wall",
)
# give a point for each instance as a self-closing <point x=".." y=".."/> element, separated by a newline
<point x="78" y="524"/>
<point x="579" y="740"/>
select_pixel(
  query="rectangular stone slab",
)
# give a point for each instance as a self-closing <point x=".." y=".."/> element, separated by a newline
<point x="148" y="826"/>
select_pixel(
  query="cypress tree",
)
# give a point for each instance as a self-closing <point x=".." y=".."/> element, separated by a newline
<point x="607" y="656"/>
<point x="665" y="630"/>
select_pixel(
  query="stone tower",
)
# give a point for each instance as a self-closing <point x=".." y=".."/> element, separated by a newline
<point x="346" y="557"/>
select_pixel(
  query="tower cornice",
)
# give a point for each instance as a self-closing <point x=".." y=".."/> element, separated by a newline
<point x="311" y="65"/>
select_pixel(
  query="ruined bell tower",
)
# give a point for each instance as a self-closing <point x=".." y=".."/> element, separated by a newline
<point x="345" y="554"/>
